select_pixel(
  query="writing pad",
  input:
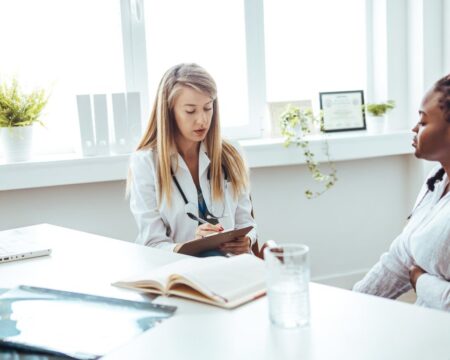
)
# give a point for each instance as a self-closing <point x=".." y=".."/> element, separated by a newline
<point x="212" y="242"/>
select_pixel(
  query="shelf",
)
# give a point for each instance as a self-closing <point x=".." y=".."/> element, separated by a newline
<point x="71" y="169"/>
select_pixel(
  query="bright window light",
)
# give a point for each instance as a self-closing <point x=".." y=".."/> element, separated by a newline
<point x="314" y="46"/>
<point x="209" y="33"/>
<point x="69" y="47"/>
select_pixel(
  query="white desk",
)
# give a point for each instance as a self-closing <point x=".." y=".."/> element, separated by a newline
<point x="344" y="325"/>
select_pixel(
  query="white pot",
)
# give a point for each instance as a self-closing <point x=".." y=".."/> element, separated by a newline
<point x="16" y="143"/>
<point x="376" y="124"/>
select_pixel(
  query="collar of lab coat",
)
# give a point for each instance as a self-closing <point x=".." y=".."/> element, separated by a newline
<point x="203" y="159"/>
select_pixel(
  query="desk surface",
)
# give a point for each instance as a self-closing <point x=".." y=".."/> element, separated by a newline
<point x="344" y="325"/>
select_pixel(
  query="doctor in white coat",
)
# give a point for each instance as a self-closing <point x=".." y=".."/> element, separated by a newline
<point x="183" y="170"/>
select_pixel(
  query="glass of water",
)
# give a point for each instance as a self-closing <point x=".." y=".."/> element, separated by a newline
<point x="287" y="268"/>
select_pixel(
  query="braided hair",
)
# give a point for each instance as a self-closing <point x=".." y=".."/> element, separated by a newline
<point x="431" y="182"/>
<point x="442" y="86"/>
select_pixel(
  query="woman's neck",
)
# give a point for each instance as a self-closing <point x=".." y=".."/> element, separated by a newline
<point x="446" y="169"/>
<point x="188" y="150"/>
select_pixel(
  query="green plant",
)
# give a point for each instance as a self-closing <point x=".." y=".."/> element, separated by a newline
<point x="18" y="108"/>
<point x="296" y="124"/>
<point x="379" y="109"/>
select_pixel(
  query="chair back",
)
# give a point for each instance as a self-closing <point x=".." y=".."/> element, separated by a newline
<point x="255" y="247"/>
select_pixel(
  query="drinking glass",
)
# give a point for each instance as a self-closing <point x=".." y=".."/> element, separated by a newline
<point x="287" y="276"/>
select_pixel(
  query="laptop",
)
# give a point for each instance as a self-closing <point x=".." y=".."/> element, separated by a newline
<point x="16" y="246"/>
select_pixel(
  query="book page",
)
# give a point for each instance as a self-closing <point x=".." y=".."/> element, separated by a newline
<point x="157" y="278"/>
<point x="189" y="292"/>
<point x="227" y="278"/>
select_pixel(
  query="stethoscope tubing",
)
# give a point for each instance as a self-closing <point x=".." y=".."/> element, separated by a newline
<point x="183" y="195"/>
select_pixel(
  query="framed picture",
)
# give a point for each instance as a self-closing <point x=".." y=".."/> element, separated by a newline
<point x="278" y="108"/>
<point x="342" y="110"/>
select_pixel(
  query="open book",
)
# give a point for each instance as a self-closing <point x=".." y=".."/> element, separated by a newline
<point x="216" y="280"/>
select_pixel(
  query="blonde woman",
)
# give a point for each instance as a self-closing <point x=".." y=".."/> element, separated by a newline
<point x="183" y="172"/>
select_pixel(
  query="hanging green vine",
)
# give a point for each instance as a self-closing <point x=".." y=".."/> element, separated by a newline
<point x="296" y="124"/>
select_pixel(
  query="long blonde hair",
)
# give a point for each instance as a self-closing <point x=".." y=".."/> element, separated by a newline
<point x="159" y="134"/>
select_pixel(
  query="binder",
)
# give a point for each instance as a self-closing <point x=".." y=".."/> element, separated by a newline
<point x="134" y="118"/>
<point x="86" y="125"/>
<point x="121" y="144"/>
<point x="101" y="124"/>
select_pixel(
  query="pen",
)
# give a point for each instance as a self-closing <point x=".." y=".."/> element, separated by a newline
<point x="200" y="220"/>
<point x="196" y="218"/>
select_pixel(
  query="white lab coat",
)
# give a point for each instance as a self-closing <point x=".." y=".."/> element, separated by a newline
<point x="163" y="227"/>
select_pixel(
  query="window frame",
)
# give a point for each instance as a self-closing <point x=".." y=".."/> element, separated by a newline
<point x="402" y="77"/>
<point x="136" y="64"/>
<point x="134" y="45"/>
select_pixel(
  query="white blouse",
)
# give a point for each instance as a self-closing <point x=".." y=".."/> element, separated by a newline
<point x="425" y="242"/>
<point x="166" y="225"/>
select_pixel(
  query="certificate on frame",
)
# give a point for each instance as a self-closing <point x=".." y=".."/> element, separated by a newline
<point x="342" y="110"/>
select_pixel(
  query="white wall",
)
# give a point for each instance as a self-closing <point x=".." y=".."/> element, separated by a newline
<point x="347" y="228"/>
<point x="98" y="208"/>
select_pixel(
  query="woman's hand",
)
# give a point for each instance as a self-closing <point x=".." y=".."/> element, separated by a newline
<point x="202" y="231"/>
<point x="414" y="273"/>
<point x="207" y="229"/>
<point x="241" y="245"/>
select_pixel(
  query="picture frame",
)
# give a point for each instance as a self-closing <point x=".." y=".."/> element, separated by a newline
<point x="342" y="110"/>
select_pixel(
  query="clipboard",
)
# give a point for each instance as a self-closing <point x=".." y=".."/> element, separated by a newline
<point x="211" y="242"/>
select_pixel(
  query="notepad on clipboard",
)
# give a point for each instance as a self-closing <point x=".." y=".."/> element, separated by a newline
<point x="211" y="242"/>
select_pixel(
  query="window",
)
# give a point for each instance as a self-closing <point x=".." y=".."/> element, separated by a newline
<point x="209" y="33"/>
<point x="314" y="46"/>
<point x="76" y="47"/>
<point x="69" y="47"/>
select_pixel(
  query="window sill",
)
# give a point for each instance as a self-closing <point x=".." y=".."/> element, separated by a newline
<point x="342" y="147"/>
<point x="72" y="169"/>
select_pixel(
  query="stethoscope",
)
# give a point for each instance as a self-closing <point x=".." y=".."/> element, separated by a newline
<point x="191" y="209"/>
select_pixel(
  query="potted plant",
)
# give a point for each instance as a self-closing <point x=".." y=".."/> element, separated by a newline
<point x="376" y="121"/>
<point x="296" y="124"/>
<point x="19" y="111"/>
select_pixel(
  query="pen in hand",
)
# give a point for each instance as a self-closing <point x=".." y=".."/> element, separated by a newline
<point x="196" y="218"/>
<point x="200" y="220"/>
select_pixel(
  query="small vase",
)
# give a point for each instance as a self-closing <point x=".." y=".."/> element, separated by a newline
<point x="376" y="124"/>
<point x="16" y="143"/>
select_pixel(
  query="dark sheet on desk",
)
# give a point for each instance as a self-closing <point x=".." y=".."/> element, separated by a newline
<point x="64" y="324"/>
